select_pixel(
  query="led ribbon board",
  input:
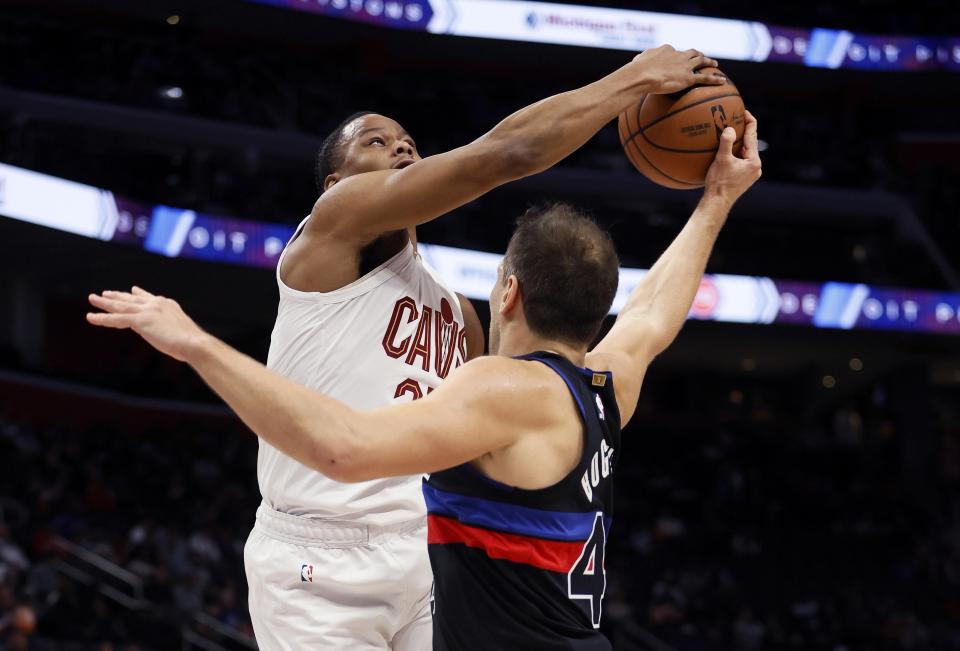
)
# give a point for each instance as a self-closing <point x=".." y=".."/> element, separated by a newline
<point x="174" y="232"/>
<point x="624" y="29"/>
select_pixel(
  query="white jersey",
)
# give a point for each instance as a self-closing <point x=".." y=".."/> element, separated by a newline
<point x="390" y="336"/>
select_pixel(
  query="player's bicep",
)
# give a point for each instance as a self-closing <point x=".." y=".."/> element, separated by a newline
<point x="372" y="203"/>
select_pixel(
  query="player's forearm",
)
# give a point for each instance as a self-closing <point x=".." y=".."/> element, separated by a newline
<point x="664" y="296"/>
<point x="303" y="424"/>
<point x="542" y="134"/>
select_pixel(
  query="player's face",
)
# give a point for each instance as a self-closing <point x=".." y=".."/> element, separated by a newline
<point x="374" y="142"/>
<point x="496" y="295"/>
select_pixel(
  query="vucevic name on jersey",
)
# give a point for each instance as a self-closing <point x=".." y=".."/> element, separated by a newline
<point x="524" y="569"/>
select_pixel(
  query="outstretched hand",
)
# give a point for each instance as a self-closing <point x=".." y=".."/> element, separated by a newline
<point x="730" y="176"/>
<point x="671" y="71"/>
<point x="160" y="321"/>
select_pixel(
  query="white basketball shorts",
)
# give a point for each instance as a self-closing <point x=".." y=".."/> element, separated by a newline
<point x="322" y="584"/>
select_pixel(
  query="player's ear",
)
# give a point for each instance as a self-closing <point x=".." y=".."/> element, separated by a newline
<point x="510" y="298"/>
<point x="330" y="181"/>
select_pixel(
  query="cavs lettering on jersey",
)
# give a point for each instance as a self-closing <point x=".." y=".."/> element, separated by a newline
<point x="392" y="335"/>
<point x="524" y="569"/>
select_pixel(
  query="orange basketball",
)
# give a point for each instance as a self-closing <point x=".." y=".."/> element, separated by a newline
<point x="672" y="139"/>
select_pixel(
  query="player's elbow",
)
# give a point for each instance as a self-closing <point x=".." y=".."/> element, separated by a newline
<point x="519" y="159"/>
<point x="340" y="468"/>
<point x="336" y="450"/>
<point x="341" y="462"/>
<point x="505" y="159"/>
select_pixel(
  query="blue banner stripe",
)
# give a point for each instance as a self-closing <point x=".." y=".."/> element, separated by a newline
<point x="510" y="518"/>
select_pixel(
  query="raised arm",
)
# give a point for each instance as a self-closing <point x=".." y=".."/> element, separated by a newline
<point x="363" y="206"/>
<point x="658" y="306"/>
<point x="476" y="410"/>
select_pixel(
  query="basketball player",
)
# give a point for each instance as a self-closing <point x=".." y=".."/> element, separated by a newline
<point x="531" y="436"/>
<point x="332" y="565"/>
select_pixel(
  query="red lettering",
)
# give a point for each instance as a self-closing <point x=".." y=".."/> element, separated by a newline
<point x="462" y="347"/>
<point x="412" y="387"/>
<point x="389" y="345"/>
<point x="409" y="386"/>
<point x="421" y="340"/>
<point x="435" y="328"/>
<point x="445" y="342"/>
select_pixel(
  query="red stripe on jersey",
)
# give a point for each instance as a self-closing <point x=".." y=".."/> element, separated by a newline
<point x="551" y="555"/>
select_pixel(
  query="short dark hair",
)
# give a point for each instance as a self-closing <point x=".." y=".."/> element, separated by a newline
<point x="330" y="154"/>
<point x="568" y="272"/>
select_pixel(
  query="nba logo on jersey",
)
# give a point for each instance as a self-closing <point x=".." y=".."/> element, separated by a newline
<point x="600" y="407"/>
<point x="306" y="573"/>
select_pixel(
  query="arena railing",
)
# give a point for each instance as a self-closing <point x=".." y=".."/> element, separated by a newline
<point x="127" y="589"/>
<point x="92" y="569"/>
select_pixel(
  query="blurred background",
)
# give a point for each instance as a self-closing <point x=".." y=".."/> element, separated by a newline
<point x="791" y="479"/>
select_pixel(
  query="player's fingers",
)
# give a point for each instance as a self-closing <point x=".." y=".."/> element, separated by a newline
<point x="141" y="292"/>
<point x="112" y="305"/>
<point x="692" y="53"/>
<point x="726" y="142"/>
<point x="106" y="320"/>
<point x="750" y="138"/>
<point x="712" y="79"/>
<point x="703" y="61"/>
<point x="123" y="296"/>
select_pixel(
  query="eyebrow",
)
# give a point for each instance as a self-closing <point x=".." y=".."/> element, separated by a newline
<point x="403" y="134"/>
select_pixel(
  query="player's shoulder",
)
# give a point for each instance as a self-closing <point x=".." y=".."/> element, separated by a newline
<point x="507" y="381"/>
<point x="492" y="370"/>
<point x="505" y="390"/>
<point x="498" y="372"/>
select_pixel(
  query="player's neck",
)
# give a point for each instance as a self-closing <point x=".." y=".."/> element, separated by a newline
<point x="522" y="343"/>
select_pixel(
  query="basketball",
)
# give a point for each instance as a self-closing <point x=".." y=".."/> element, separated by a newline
<point x="672" y="139"/>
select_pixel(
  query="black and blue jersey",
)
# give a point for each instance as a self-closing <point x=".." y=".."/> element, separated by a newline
<point x="524" y="569"/>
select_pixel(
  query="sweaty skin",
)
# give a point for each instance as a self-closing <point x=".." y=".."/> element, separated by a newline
<point x="482" y="412"/>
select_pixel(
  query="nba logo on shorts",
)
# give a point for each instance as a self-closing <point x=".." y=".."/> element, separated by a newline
<point x="306" y="573"/>
<point x="600" y="407"/>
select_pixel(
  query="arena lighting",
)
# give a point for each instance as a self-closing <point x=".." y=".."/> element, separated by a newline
<point x="172" y="92"/>
<point x="626" y="29"/>
<point x="96" y="213"/>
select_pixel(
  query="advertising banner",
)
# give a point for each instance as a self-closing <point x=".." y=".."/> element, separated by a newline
<point x="179" y="233"/>
<point x="631" y="30"/>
